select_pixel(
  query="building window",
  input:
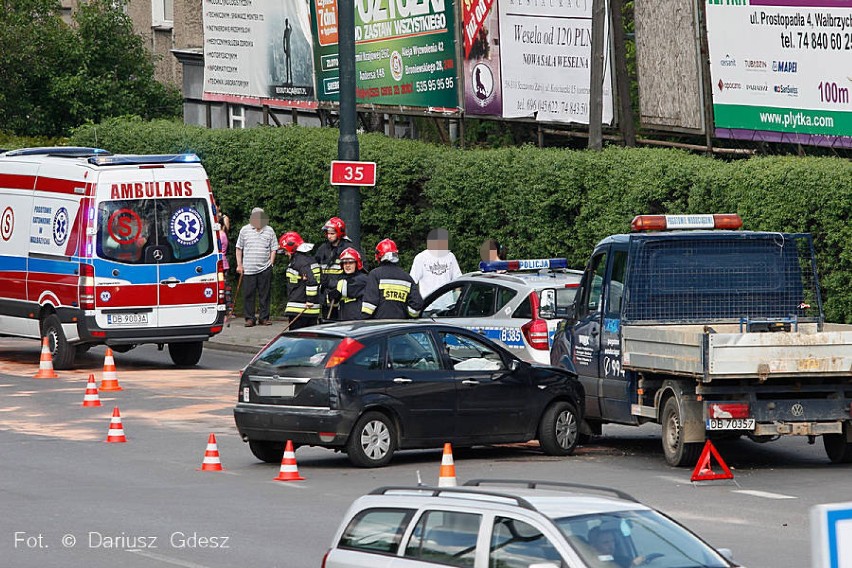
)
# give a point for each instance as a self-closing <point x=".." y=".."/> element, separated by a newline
<point x="162" y="13"/>
<point x="236" y="116"/>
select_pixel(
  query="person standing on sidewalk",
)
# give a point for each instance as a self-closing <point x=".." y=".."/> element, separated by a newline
<point x="255" y="250"/>
<point x="390" y="293"/>
<point x="328" y="257"/>
<point x="350" y="287"/>
<point x="435" y="266"/>
<point x="303" y="280"/>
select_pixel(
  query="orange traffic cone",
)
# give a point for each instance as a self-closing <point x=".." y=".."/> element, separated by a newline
<point x="109" y="381"/>
<point x="211" y="456"/>
<point x="91" y="397"/>
<point x="289" y="470"/>
<point x="447" y="477"/>
<point x="116" y="430"/>
<point x="45" y="362"/>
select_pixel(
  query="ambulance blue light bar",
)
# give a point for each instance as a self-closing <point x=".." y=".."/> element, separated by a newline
<point x="59" y="151"/>
<point x="524" y="264"/>
<point x="131" y="160"/>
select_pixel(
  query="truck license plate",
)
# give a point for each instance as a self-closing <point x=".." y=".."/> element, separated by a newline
<point x="127" y="319"/>
<point x="730" y="423"/>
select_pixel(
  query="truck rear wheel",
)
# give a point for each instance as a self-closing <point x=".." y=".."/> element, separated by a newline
<point x="186" y="354"/>
<point x="62" y="352"/>
<point x="836" y="447"/>
<point x="678" y="453"/>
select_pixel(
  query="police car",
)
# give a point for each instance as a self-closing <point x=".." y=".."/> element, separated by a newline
<point x="516" y="302"/>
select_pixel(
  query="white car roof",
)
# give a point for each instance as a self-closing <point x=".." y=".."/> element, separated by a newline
<point x="535" y="280"/>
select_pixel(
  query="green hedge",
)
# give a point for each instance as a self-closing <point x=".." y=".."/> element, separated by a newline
<point x="538" y="202"/>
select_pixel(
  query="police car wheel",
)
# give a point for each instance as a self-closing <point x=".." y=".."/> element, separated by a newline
<point x="62" y="352"/>
<point x="372" y="441"/>
<point x="266" y="451"/>
<point x="186" y="354"/>
<point x="559" y="431"/>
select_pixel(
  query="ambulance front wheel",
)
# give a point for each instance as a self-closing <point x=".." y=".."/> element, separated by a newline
<point x="186" y="354"/>
<point x="62" y="352"/>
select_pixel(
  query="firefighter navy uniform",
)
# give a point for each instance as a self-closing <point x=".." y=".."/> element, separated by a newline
<point x="349" y="293"/>
<point x="303" y="279"/>
<point x="390" y="293"/>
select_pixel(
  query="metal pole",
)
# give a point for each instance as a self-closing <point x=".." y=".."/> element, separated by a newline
<point x="596" y="85"/>
<point x="622" y="79"/>
<point x="347" y="144"/>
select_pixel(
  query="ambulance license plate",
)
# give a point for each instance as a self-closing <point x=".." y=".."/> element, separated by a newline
<point x="730" y="423"/>
<point x="127" y="319"/>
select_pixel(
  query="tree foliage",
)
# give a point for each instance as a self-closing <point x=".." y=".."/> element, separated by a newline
<point x="57" y="76"/>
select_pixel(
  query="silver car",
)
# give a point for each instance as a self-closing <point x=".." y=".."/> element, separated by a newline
<point x="516" y="302"/>
<point x="513" y="524"/>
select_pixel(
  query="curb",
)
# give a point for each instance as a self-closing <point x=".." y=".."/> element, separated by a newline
<point x="233" y="348"/>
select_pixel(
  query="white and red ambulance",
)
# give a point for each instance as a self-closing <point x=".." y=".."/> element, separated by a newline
<point x="109" y="249"/>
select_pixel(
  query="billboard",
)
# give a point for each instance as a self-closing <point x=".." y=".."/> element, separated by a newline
<point x="259" y="49"/>
<point x="545" y="51"/>
<point x="405" y="52"/>
<point x="781" y="70"/>
<point x="481" y="39"/>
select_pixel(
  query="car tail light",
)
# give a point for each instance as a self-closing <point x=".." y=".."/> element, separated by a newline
<point x="727" y="410"/>
<point x="220" y="280"/>
<point x="87" y="286"/>
<point x="344" y="350"/>
<point x="535" y="330"/>
<point x="325" y="558"/>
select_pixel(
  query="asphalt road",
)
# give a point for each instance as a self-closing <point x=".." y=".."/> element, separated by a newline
<point x="68" y="499"/>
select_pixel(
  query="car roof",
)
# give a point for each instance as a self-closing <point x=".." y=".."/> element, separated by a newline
<point x="560" y="501"/>
<point x="535" y="280"/>
<point x="363" y="328"/>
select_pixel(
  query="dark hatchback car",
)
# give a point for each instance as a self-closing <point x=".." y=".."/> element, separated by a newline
<point x="371" y="388"/>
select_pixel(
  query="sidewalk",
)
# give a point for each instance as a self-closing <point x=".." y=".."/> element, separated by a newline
<point x="238" y="337"/>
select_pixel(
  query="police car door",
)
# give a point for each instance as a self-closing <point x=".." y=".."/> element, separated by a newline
<point x="586" y="332"/>
<point x="186" y="252"/>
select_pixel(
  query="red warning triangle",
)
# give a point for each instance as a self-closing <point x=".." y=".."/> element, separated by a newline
<point x="703" y="471"/>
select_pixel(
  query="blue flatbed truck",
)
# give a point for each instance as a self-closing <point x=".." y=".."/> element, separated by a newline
<point x="711" y="332"/>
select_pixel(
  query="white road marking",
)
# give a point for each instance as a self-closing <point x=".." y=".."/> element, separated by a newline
<point x="764" y="494"/>
<point x="167" y="559"/>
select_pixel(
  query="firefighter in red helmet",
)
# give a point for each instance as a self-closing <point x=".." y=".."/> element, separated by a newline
<point x="303" y="278"/>
<point x="390" y="292"/>
<point x="328" y="257"/>
<point x="349" y="290"/>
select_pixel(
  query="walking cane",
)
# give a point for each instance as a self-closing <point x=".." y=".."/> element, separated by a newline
<point x="234" y="295"/>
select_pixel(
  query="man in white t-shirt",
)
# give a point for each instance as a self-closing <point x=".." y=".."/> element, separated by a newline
<point x="436" y="265"/>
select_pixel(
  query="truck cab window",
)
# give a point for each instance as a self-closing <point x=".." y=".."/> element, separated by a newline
<point x="616" y="283"/>
<point x="593" y="289"/>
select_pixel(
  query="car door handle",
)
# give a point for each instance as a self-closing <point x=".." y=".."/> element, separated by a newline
<point x="401" y="381"/>
<point x="470" y="382"/>
<point x="170" y="281"/>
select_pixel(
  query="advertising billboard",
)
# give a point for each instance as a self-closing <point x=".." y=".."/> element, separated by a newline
<point x="405" y="53"/>
<point x="481" y="38"/>
<point x="781" y="70"/>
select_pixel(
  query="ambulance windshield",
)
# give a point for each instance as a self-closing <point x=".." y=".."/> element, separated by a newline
<point x="154" y="231"/>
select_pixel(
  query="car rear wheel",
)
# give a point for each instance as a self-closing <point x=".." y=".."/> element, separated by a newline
<point x="266" y="451"/>
<point x="186" y="354"/>
<point x="836" y="447"/>
<point x="559" y="431"/>
<point x="61" y="351"/>
<point x="372" y="441"/>
<point x="678" y="453"/>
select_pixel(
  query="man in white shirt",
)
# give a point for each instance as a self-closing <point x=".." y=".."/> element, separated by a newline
<point x="256" y="247"/>
<point x="436" y="265"/>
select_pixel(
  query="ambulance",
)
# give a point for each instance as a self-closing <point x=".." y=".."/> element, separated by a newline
<point x="97" y="248"/>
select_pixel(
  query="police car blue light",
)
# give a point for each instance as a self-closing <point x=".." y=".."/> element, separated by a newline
<point x="523" y="264"/>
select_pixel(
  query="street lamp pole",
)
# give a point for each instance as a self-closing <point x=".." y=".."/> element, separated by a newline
<point x="349" y="199"/>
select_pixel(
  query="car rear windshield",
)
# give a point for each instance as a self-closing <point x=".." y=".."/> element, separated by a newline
<point x="297" y="350"/>
<point x="632" y="538"/>
<point x="154" y="231"/>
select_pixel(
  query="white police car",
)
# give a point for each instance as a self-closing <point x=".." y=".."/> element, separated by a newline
<point x="516" y="302"/>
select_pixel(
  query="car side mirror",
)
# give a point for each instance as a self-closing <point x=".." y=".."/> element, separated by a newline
<point x="514" y="365"/>
<point x="547" y="306"/>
